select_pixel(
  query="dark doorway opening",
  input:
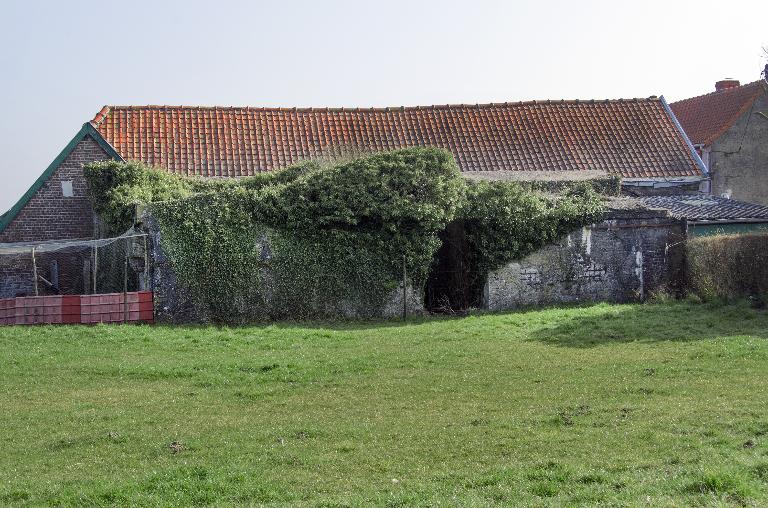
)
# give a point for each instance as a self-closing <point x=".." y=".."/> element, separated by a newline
<point x="453" y="285"/>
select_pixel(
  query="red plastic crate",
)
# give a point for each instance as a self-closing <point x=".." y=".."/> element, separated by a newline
<point x="109" y="308"/>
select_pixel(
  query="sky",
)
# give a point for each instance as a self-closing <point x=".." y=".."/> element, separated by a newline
<point x="60" y="62"/>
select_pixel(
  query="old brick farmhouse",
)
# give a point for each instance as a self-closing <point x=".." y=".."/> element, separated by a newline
<point x="638" y="139"/>
<point x="619" y="259"/>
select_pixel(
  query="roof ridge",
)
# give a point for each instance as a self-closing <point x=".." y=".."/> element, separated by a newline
<point x="99" y="116"/>
<point x="525" y="135"/>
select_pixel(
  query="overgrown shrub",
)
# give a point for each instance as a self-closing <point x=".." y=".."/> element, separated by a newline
<point x="217" y="252"/>
<point x="607" y="185"/>
<point x="116" y="188"/>
<point x="322" y="238"/>
<point x="337" y="235"/>
<point x="503" y="221"/>
<point x="728" y="266"/>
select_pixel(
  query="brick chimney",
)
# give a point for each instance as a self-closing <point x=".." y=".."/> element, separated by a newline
<point x="725" y="84"/>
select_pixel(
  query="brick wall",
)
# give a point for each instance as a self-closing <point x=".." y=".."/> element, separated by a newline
<point x="49" y="215"/>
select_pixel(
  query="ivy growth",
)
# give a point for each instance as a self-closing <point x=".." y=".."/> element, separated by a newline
<point x="324" y="238"/>
<point x="503" y="221"/>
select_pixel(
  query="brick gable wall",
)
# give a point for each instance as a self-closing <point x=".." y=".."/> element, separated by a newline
<point x="49" y="215"/>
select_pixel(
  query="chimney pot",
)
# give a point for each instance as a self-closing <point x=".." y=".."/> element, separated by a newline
<point x="725" y="84"/>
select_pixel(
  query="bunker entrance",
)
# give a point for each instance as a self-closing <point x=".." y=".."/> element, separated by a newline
<point x="454" y="284"/>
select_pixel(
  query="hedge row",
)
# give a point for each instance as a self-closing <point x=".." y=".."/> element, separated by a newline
<point x="728" y="266"/>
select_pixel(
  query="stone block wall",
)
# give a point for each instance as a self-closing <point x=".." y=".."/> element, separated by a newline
<point x="16" y="276"/>
<point x="662" y="188"/>
<point x="624" y="258"/>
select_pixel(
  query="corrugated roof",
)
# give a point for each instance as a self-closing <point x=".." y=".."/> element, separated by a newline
<point x="702" y="207"/>
<point x="636" y="138"/>
<point x="706" y="117"/>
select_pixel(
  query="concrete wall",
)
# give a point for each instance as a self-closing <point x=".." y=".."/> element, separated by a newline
<point x="738" y="160"/>
<point x="624" y="258"/>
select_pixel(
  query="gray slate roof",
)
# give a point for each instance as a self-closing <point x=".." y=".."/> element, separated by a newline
<point x="703" y="207"/>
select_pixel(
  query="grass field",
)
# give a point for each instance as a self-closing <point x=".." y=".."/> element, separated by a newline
<point x="640" y="405"/>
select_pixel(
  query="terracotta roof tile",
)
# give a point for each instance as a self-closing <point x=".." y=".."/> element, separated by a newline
<point x="706" y="117"/>
<point x="634" y="137"/>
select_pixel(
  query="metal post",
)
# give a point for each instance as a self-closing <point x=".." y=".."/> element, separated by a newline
<point x="95" y="265"/>
<point x="34" y="271"/>
<point x="146" y="265"/>
<point x="405" y="292"/>
<point x="125" y="285"/>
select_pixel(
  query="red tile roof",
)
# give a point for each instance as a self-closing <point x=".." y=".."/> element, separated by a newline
<point x="707" y="117"/>
<point x="634" y="137"/>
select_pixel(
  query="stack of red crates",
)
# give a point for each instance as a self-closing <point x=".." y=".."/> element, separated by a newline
<point x="8" y="311"/>
<point x="109" y="308"/>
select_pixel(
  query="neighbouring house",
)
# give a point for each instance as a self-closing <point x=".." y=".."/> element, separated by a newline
<point x="639" y="140"/>
<point x="712" y="215"/>
<point x="729" y="128"/>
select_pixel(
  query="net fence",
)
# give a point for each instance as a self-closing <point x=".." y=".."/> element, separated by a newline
<point x="74" y="267"/>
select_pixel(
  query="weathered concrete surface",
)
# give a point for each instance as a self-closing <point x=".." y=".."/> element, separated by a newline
<point x="738" y="160"/>
<point x="629" y="255"/>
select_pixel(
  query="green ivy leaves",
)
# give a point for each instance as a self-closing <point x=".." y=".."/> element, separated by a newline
<point x="323" y="239"/>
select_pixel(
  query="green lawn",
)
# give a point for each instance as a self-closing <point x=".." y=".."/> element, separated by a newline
<point x="642" y="405"/>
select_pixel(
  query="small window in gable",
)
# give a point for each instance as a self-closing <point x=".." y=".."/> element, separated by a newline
<point x="66" y="188"/>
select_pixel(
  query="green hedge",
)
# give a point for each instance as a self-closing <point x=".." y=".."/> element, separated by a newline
<point x="608" y="185"/>
<point x="728" y="266"/>
<point x="327" y="238"/>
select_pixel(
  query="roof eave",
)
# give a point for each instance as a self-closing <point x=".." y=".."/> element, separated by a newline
<point x="745" y="220"/>
<point x="659" y="182"/>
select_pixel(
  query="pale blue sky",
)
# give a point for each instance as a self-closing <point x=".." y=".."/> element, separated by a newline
<point x="61" y="61"/>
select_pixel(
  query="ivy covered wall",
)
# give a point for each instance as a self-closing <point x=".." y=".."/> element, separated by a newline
<point x="329" y="239"/>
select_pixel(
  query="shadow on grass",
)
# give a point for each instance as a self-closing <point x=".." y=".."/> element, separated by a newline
<point x="320" y="324"/>
<point x="373" y="323"/>
<point x="674" y="321"/>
